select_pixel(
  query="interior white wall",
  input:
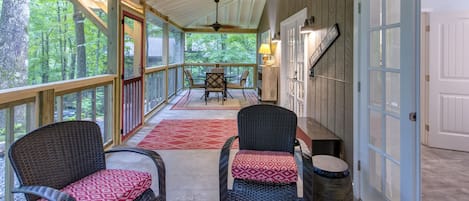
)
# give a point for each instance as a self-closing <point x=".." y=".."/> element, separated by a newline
<point x="444" y="5"/>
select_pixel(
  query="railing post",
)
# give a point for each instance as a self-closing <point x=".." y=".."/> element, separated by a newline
<point x="9" y="139"/>
<point x="46" y="107"/>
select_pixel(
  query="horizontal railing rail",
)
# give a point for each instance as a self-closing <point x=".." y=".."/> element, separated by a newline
<point x="9" y="96"/>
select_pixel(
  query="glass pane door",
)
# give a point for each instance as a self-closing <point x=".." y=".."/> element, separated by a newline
<point x="294" y="63"/>
<point x="385" y="103"/>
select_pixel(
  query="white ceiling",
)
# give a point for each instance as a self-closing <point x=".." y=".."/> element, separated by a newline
<point x="444" y="5"/>
<point x="245" y="14"/>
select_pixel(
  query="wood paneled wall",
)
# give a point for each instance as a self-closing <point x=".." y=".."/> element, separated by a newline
<point x="330" y="92"/>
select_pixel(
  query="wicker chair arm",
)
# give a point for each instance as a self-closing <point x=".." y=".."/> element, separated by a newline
<point x="45" y="192"/>
<point x="308" y="172"/>
<point x="223" y="167"/>
<point x="156" y="158"/>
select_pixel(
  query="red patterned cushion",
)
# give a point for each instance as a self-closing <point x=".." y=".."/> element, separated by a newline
<point x="106" y="185"/>
<point x="265" y="166"/>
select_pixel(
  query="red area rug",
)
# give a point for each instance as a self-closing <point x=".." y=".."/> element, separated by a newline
<point x="195" y="102"/>
<point x="190" y="134"/>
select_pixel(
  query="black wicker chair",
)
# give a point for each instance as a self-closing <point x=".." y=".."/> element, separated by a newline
<point x="265" y="128"/>
<point x="56" y="155"/>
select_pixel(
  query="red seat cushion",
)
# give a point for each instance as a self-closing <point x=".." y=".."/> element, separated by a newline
<point x="265" y="166"/>
<point x="110" y="185"/>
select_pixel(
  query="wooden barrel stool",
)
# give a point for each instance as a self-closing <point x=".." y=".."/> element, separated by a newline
<point x="331" y="179"/>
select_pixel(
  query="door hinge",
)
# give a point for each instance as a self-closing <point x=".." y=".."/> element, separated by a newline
<point x="122" y="21"/>
<point x="359" y="7"/>
<point x="427" y="127"/>
<point x="122" y="131"/>
<point x="427" y="28"/>
<point x="359" y="166"/>
<point x="427" y="78"/>
<point x="413" y="116"/>
<point x="122" y="77"/>
<point x="359" y="87"/>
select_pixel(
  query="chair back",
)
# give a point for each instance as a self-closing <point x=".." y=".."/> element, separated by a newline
<point x="266" y="127"/>
<point x="214" y="81"/>
<point x="244" y="77"/>
<point x="189" y="76"/>
<point x="57" y="154"/>
<point x="217" y="70"/>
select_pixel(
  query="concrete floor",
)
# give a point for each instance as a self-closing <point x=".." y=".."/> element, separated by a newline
<point x="192" y="175"/>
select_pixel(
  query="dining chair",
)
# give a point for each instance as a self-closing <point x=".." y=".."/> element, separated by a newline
<point x="192" y="83"/>
<point x="66" y="161"/>
<point x="215" y="82"/>
<point x="241" y="84"/>
<point x="265" y="168"/>
<point x="217" y="70"/>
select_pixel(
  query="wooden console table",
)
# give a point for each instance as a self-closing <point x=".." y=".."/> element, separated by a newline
<point x="318" y="138"/>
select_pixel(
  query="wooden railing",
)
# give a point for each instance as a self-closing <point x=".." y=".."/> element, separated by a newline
<point x="23" y="109"/>
<point x="161" y="83"/>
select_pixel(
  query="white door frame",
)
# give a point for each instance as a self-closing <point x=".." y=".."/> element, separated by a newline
<point x="448" y="80"/>
<point x="410" y="138"/>
<point x="424" y="72"/>
<point x="283" y="98"/>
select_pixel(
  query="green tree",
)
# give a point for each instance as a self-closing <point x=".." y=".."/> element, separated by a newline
<point x="220" y="48"/>
<point x="14" y="18"/>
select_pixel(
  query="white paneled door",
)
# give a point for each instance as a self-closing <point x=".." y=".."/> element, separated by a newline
<point x="293" y="68"/>
<point x="449" y="80"/>
<point x="388" y="141"/>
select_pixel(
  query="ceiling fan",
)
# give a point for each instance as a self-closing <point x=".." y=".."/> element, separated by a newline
<point x="216" y="26"/>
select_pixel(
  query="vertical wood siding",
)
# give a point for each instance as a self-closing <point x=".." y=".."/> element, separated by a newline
<point x="330" y="94"/>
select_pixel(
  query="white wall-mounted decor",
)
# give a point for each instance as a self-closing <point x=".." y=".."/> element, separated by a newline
<point x="331" y="35"/>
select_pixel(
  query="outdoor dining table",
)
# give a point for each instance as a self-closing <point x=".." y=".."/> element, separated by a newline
<point x="226" y="76"/>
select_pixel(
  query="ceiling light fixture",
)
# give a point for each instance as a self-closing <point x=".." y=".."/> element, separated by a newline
<point x="276" y="37"/>
<point x="308" y="26"/>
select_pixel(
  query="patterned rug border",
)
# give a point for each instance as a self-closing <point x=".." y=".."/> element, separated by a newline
<point x="190" y="134"/>
<point x="251" y="97"/>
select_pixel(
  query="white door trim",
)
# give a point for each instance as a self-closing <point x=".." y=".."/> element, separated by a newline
<point x="356" y="95"/>
<point x="424" y="72"/>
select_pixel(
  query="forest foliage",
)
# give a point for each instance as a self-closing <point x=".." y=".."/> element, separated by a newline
<point x="220" y="48"/>
<point x="61" y="43"/>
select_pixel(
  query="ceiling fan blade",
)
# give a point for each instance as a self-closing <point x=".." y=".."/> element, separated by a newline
<point x="216" y="26"/>
<point x="227" y="26"/>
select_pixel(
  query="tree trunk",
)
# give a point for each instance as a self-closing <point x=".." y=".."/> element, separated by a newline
<point x="62" y="41"/>
<point x="14" y="19"/>
<point x="80" y="41"/>
<point x="44" y="57"/>
<point x="73" y="60"/>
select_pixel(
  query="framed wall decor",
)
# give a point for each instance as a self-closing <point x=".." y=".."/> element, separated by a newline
<point x="331" y="35"/>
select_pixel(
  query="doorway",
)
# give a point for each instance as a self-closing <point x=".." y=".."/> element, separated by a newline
<point x="440" y="137"/>
<point x="293" y="71"/>
<point x="446" y="79"/>
<point x="132" y="74"/>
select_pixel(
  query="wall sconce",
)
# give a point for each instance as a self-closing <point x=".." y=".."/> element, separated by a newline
<point x="265" y="50"/>
<point x="276" y="38"/>
<point x="308" y="26"/>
